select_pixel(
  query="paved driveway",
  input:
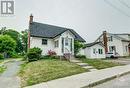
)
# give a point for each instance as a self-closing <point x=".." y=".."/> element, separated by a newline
<point x="9" y="78"/>
<point x="119" y="60"/>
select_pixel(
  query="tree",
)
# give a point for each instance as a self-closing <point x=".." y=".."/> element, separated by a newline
<point x="7" y="44"/>
<point x="77" y="46"/>
<point x="2" y="30"/>
<point x="17" y="37"/>
<point x="25" y="40"/>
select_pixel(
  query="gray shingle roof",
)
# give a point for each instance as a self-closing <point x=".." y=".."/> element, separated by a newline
<point x="50" y="31"/>
<point x="92" y="44"/>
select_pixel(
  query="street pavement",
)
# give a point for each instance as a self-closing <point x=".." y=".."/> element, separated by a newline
<point x="119" y="82"/>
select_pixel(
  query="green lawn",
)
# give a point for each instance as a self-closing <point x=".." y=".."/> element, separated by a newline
<point x="2" y="69"/>
<point x="45" y="70"/>
<point x="100" y="64"/>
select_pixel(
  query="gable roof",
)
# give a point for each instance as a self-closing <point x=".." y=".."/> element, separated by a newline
<point x="116" y="36"/>
<point x="50" y="31"/>
<point x="93" y="43"/>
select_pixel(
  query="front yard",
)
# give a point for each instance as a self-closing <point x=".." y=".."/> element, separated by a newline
<point x="2" y="69"/>
<point x="45" y="70"/>
<point x="99" y="64"/>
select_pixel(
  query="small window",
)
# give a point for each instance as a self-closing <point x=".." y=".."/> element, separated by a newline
<point x="44" y="41"/>
<point x="110" y="38"/>
<point x="126" y="48"/>
<point x="94" y="51"/>
<point x="100" y="51"/>
<point x="66" y="42"/>
<point x="57" y="43"/>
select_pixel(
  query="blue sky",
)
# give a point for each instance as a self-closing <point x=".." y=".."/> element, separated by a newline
<point x="87" y="17"/>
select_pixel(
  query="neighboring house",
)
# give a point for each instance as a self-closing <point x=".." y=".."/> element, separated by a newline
<point x="119" y="43"/>
<point x="94" y="50"/>
<point x="54" y="38"/>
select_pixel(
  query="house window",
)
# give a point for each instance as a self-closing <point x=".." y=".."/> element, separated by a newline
<point x="71" y="45"/>
<point x="66" y="42"/>
<point x="112" y="48"/>
<point x="44" y="41"/>
<point x="62" y="45"/>
<point x="94" y="51"/>
<point x="126" y="48"/>
<point x="110" y="38"/>
<point x="57" y="43"/>
<point x="100" y="51"/>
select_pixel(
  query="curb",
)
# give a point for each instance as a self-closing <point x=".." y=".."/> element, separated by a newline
<point x="105" y="80"/>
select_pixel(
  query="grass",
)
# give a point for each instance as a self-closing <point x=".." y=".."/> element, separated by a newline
<point x="100" y="64"/>
<point x="2" y="69"/>
<point x="45" y="70"/>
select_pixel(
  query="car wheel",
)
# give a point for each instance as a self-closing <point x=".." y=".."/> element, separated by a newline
<point x="112" y="56"/>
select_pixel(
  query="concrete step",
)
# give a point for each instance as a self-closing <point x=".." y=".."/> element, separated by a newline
<point x="82" y="64"/>
<point x="88" y="67"/>
<point x="75" y="61"/>
<point x="93" y="69"/>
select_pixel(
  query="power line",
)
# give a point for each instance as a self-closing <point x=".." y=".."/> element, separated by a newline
<point x="124" y="4"/>
<point x="118" y="9"/>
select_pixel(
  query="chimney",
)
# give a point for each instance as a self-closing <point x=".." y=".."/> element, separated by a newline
<point x="31" y="19"/>
<point x="105" y="41"/>
<point x="30" y="22"/>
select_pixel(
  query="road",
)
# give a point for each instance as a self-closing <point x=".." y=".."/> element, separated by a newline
<point x="9" y="78"/>
<point x="121" y="82"/>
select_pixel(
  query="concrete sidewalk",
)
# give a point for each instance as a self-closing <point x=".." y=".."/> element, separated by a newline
<point x="84" y="79"/>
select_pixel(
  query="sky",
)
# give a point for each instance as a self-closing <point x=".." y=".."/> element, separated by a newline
<point x="87" y="17"/>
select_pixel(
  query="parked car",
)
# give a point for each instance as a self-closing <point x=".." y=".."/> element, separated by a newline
<point x="112" y="55"/>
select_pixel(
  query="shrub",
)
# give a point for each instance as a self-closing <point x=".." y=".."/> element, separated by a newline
<point x="1" y="56"/>
<point x="80" y="56"/>
<point x="51" y="53"/>
<point x="34" y="54"/>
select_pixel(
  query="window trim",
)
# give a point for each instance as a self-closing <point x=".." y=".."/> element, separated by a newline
<point x="56" y="43"/>
<point x="44" y="40"/>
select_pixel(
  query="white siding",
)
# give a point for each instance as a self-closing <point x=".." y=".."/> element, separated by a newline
<point x="125" y="48"/>
<point x="118" y="44"/>
<point x="90" y="54"/>
<point x="37" y="42"/>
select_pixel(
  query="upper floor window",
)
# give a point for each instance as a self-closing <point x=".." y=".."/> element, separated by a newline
<point x="57" y="43"/>
<point x="110" y="38"/>
<point x="44" y="41"/>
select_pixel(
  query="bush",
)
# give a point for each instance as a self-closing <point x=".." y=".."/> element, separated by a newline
<point x="34" y="54"/>
<point x="80" y="56"/>
<point x="1" y="56"/>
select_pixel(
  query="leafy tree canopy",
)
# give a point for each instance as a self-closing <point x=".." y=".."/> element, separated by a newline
<point x="77" y="46"/>
<point x="7" y="44"/>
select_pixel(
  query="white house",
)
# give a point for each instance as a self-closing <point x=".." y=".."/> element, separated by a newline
<point x="94" y="50"/>
<point x="119" y="43"/>
<point x="54" y="38"/>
